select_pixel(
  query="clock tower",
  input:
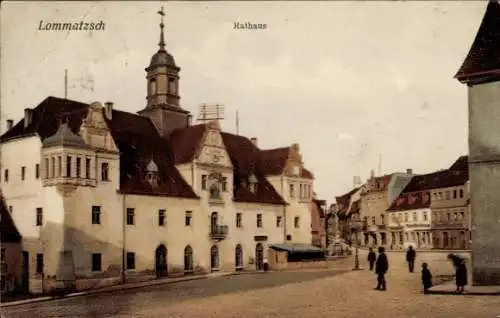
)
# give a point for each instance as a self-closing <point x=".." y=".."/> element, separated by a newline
<point x="162" y="97"/>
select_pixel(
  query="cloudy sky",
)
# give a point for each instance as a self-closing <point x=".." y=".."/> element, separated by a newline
<point x="351" y="82"/>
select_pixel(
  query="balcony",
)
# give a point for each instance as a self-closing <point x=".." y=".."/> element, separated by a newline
<point x="218" y="232"/>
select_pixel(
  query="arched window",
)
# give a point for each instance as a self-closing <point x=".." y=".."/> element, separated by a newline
<point x="214" y="258"/>
<point x="214" y="185"/>
<point x="188" y="259"/>
<point x="213" y="222"/>
<point x="238" y="255"/>
<point x="152" y="86"/>
<point x="172" y="87"/>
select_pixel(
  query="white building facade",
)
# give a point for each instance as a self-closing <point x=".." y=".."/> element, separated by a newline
<point x="101" y="195"/>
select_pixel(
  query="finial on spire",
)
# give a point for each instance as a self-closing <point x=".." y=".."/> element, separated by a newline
<point x="162" y="40"/>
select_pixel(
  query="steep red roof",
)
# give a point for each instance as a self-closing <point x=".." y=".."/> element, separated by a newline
<point x="8" y="230"/>
<point x="245" y="160"/>
<point x="411" y="201"/>
<point x="482" y="64"/>
<point x="273" y="162"/>
<point x="134" y="135"/>
<point x="185" y="141"/>
<point x="462" y="164"/>
<point x="344" y="200"/>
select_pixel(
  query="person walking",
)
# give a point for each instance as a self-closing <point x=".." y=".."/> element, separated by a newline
<point x="410" y="258"/>
<point x="426" y="278"/>
<point x="381" y="268"/>
<point x="265" y="264"/>
<point x="460" y="272"/>
<point x="372" y="257"/>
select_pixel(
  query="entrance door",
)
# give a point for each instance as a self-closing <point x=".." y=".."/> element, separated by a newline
<point x="161" y="267"/>
<point x="25" y="281"/>
<point x="259" y="256"/>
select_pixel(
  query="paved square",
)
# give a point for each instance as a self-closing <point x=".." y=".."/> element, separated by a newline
<point x="318" y="293"/>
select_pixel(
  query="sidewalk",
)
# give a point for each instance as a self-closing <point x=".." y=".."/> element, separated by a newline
<point x="126" y="286"/>
<point x="420" y="250"/>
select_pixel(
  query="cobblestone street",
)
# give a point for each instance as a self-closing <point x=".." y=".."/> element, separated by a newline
<point x="318" y="293"/>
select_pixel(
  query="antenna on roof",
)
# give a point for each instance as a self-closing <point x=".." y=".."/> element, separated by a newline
<point x="65" y="83"/>
<point x="209" y="112"/>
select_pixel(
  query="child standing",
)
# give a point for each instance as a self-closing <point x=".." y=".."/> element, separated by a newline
<point x="426" y="277"/>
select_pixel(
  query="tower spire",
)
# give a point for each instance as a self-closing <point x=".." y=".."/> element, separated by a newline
<point x="162" y="25"/>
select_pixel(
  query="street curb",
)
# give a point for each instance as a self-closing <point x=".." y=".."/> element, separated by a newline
<point x="108" y="289"/>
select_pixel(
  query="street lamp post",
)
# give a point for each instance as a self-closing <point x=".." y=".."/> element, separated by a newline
<point x="356" y="224"/>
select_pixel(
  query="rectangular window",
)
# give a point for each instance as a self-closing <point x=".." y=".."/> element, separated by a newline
<point x="96" y="214"/>
<point x="78" y="167"/>
<point x="39" y="263"/>
<point x="68" y="166"/>
<point x="23" y="173"/>
<point x="87" y="168"/>
<point x="406" y="217"/>
<point x="454" y="194"/>
<point x="414" y="216"/>
<point x="239" y="220"/>
<point x="425" y="216"/>
<point x="279" y="219"/>
<point x="130" y="216"/>
<point x="259" y="220"/>
<point x="46" y="168"/>
<point x="161" y="217"/>
<point x="447" y="193"/>
<point x="37" y="171"/>
<point x="53" y="165"/>
<point x="130" y="260"/>
<point x="96" y="262"/>
<point x="224" y="184"/>
<point x="59" y="166"/>
<point x="39" y="216"/>
<point x="2" y="255"/>
<point x="382" y="219"/>
<point x="296" y="222"/>
<point x="461" y="193"/>
<point x="292" y="191"/>
<point x="104" y="171"/>
<point x="204" y="182"/>
<point x="374" y="221"/>
<point x="6" y="175"/>
<point x="188" y="218"/>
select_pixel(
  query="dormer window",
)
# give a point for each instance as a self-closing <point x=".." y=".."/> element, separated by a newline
<point x="252" y="181"/>
<point x="152" y="173"/>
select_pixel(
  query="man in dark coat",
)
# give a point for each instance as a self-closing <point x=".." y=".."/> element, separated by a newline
<point x="371" y="258"/>
<point x="460" y="271"/>
<point x="381" y="267"/>
<point x="410" y="258"/>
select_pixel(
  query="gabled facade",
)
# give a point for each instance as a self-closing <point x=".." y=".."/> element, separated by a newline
<point x="409" y="220"/>
<point x="101" y="195"/>
<point x="377" y="196"/>
<point x="318" y="223"/>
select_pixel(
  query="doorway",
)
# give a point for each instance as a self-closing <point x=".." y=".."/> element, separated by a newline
<point x="25" y="281"/>
<point x="161" y="267"/>
<point x="259" y="256"/>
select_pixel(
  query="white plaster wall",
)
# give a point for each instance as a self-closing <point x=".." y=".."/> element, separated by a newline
<point x="146" y="235"/>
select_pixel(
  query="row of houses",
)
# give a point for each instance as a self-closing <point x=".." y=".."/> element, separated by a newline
<point x="402" y="209"/>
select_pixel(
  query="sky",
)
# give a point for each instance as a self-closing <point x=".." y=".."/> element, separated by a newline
<point x="360" y="85"/>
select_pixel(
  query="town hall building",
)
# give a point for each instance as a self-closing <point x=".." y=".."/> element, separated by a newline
<point x="100" y="194"/>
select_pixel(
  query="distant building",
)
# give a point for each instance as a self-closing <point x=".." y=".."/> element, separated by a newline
<point x="11" y="263"/>
<point x="347" y="205"/>
<point x="409" y="219"/>
<point x="376" y="197"/>
<point x="318" y="226"/>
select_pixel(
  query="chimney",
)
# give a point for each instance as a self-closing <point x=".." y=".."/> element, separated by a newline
<point x="409" y="171"/>
<point x="189" y="120"/>
<point x="372" y="174"/>
<point x="28" y="117"/>
<point x="108" y="110"/>
<point x="10" y="123"/>
<point x="254" y="141"/>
